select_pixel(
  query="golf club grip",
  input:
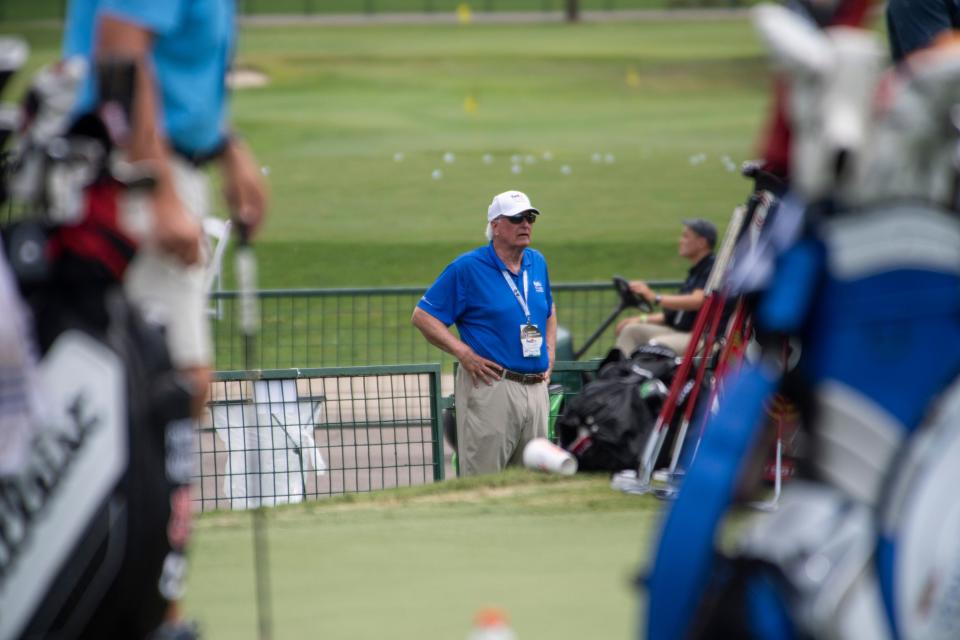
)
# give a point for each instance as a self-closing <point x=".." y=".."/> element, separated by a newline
<point x="245" y="265"/>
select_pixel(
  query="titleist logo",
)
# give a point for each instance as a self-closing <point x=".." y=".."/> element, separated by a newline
<point x="23" y="497"/>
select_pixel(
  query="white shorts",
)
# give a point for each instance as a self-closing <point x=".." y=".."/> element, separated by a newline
<point x="165" y="290"/>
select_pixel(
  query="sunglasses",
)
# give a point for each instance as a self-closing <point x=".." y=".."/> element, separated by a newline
<point x="529" y="216"/>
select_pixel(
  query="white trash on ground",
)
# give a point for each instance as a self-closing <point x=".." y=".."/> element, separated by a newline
<point x="542" y="454"/>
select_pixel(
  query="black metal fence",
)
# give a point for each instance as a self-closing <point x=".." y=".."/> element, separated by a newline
<point x="289" y="435"/>
<point x="284" y="436"/>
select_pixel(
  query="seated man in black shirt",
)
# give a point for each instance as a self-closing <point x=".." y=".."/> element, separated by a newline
<point x="671" y="327"/>
<point x="915" y="24"/>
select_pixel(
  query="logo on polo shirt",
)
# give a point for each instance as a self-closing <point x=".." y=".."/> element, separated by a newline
<point x="538" y="286"/>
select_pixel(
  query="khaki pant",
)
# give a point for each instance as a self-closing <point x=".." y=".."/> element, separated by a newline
<point x="495" y="422"/>
<point x="639" y="334"/>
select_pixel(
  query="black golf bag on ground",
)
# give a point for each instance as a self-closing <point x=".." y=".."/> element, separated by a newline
<point x="606" y="425"/>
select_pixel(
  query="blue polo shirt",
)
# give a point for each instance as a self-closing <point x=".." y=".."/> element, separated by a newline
<point x="472" y="294"/>
<point x="192" y="48"/>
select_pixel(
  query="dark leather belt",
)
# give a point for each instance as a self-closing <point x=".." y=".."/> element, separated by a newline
<point x="524" y="378"/>
<point x="200" y="159"/>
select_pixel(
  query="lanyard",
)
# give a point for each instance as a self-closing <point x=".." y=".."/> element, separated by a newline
<point x="521" y="299"/>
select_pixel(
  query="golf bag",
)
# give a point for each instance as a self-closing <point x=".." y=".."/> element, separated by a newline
<point x="94" y="521"/>
<point x="864" y="544"/>
<point x="606" y="424"/>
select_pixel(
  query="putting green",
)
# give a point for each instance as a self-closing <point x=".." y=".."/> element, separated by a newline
<point x="558" y="555"/>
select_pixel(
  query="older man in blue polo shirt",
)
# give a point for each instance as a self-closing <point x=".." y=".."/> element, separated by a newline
<point x="499" y="298"/>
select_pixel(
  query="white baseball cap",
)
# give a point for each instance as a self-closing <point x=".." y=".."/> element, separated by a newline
<point x="509" y="203"/>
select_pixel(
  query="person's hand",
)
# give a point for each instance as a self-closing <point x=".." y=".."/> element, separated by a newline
<point x="243" y="186"/>
<point x="175" y="230"/>
<point x="479" y="368"/>
<point x="643" y="290"/>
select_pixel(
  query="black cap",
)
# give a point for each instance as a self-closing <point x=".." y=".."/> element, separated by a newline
<point x="703" y="228"/>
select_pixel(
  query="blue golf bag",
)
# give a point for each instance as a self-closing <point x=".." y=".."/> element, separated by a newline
<point x="864" y="267"/>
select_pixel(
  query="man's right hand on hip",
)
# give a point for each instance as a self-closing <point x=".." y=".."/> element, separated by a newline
<point x="480" y="369"/>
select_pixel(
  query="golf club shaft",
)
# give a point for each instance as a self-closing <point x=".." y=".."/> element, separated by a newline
<point x="657" y="435"/>
<point x="246" y="273"/>
<point x="693" y="396"/>
<point x="739" y="330"/>
<point x="711" y="300"/>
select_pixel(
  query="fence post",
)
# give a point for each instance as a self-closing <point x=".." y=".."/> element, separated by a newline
<point x="436" y="424"/>
<point x="573" y="10"/>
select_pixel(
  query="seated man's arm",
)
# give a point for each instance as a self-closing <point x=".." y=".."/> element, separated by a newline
<point x="674" y="301"/>
<point x="683" y="301"/>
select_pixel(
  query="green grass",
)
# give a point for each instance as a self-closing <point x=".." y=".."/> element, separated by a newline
<point x="558" y="554"/>
<point x="343" y="101"/>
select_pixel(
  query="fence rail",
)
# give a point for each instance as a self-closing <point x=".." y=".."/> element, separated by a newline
<point x="350" y="327"/>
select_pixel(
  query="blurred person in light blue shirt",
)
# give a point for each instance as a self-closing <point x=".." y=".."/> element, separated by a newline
<point x="182" y="50"/>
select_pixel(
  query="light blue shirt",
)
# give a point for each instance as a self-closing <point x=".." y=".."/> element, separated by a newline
<point x="472" y="293"/>
<point x="192" y="49"/>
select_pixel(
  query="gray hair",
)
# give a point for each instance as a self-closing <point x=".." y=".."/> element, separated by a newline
<point x="489" y="232"/>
